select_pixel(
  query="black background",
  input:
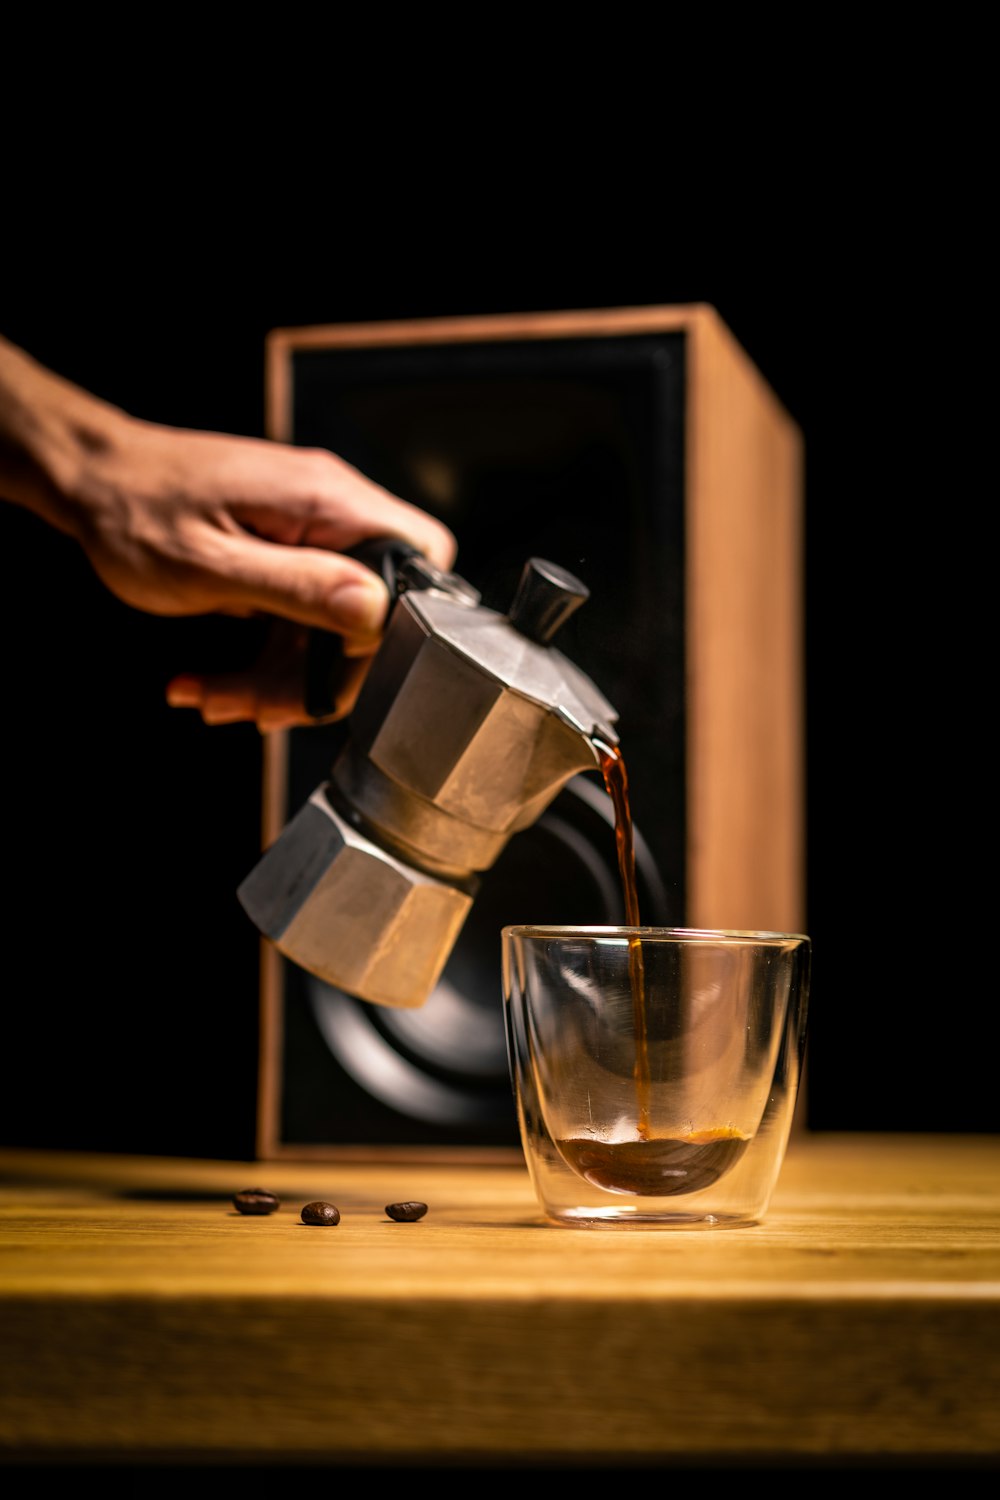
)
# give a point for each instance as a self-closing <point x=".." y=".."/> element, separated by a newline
<point x="129" y="972"/>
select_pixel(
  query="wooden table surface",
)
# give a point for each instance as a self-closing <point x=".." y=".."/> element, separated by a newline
<point x="144" y="1320"/>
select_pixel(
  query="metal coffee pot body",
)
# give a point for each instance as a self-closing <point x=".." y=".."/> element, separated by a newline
<point x="468" y="725"/>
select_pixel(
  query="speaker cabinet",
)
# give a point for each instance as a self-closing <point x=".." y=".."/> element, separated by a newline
<point x="641" y="449"/>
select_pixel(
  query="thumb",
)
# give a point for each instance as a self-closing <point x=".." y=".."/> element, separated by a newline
<point x="310" y="586"/>
<point x="356" y="608"/>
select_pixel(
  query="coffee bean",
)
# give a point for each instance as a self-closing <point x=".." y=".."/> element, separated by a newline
<point x="406" y="1213"/>
<point x="256" y="1201"/>
<point x="320" y="1213"/>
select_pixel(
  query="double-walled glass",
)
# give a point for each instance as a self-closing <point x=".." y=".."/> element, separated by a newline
<point x="655" y="1069"/>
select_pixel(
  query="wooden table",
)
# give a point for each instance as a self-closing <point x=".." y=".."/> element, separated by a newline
<point x="143" y="1320"/>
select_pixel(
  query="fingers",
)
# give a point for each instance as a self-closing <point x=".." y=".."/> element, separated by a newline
<point x="370" y="510"/>
<point x="305" y="585"/>
<point x="228" y="699"/>
<point x="237" y="698"/>
<point x="357" y="608"/>
<point x="271" y="694"/>
<point x="429" y="536"/>
<point x="310" y="497"/>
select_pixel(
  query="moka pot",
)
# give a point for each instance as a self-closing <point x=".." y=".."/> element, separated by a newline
<point x="468" y="724"/>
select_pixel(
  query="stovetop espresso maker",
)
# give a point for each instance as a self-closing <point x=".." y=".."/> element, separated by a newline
<point x="468" y="724"/>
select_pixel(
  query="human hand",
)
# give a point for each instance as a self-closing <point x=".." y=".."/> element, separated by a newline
<point x="179" y="522"/>
<point x="261" y="528"/>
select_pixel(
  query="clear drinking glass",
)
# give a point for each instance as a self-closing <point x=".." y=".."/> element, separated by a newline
<point x="655" y="1069"/>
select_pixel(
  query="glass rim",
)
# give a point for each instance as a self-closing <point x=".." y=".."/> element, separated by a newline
<point x="729" y="935"/>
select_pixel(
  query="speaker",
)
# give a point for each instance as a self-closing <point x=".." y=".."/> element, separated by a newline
<point x="641" y="449"/>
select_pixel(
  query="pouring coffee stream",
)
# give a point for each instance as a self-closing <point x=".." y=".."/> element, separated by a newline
<point x="616" y="781"/>
<point x="650" y="1165"/>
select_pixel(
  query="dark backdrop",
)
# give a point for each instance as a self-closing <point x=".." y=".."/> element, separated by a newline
<point x="129" y="970"/>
